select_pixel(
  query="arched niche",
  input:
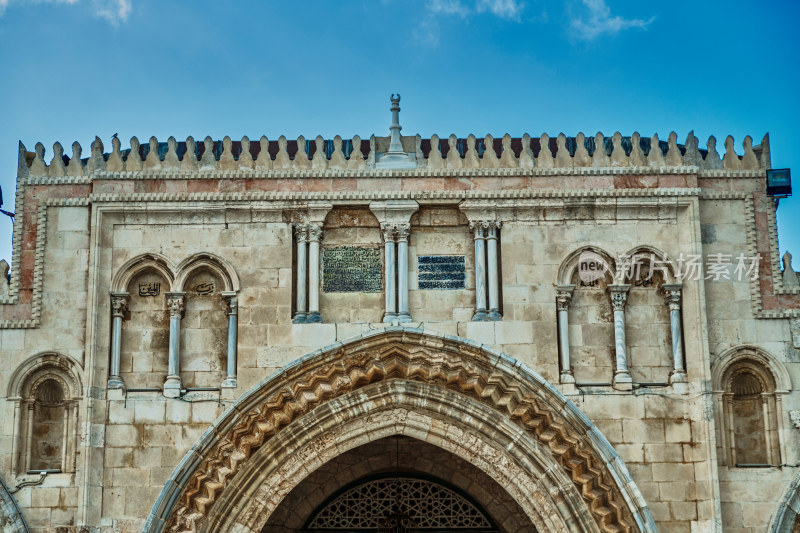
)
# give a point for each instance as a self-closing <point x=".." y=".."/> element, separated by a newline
<point x="144" y="341"/>
<point x="150" y="262"/>
<point x="589" y="271"/>
<point x="206" y="261"/>
<point x="647" y="315"/>
<point x="748" y="384"/>
<point x="46" y="391"/>
<point x="475" y="403"/>
<point x="204" y="328"/>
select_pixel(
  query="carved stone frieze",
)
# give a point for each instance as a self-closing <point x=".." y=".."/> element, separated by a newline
<point x="442" y="363"/>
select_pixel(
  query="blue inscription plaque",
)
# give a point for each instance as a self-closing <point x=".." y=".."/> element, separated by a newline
<point x="351" y="269"/>
<point x="441" y="272"/>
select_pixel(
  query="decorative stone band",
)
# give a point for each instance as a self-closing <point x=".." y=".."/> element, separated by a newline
<point x="458" y="365"/>
<point x="434" y="153"/>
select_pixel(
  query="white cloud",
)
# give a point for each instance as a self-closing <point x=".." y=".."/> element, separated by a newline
<point x="448" y="7"/>
<point x="507" y="9"/>
<point x="114" y="11"/>
<point x="597" y="20"/>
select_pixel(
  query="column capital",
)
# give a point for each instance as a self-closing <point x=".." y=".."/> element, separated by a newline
<point x="119" y="303"/>
<point x="301" y="232"/>
<point x="672" y="295"/>
<point x="232" y="299"/>
<point x="176" y="302"/>
<point x="402" y="230"/>
<point x="314" y="232"/>
<point x="564" y="296"/>
<point x="619" y="295"/>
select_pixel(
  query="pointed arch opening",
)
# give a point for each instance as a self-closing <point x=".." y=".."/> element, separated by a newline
<point x="479" y="405"/>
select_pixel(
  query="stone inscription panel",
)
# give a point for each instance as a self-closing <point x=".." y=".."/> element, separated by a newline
<point x="351" y="269"/>
<point x="441" y="272"/>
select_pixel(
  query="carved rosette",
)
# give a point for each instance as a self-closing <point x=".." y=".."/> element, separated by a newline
<point x="401" y="355"/>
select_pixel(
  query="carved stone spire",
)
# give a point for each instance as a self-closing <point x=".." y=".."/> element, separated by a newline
<point x="396" y="157"/>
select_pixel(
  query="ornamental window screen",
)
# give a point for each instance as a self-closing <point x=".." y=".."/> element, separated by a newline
<point x="429" y="506"/>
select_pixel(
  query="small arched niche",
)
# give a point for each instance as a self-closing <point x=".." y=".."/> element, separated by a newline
<point x="145" y="331"/>
<point x="45" y="391"/>
<point x="591" y="319"/>
<point x="204" y="329"/>
<point x="748" y="383"/>
<point x="647" y="316"/>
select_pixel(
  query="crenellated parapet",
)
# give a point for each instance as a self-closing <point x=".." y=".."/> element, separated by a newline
<point x="338" y="154"/>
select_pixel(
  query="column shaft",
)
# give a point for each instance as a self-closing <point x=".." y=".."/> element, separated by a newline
<point x="563" y="298"/>
<point x="233" y="316"/>
<point x="403" y="314"/>
<point x="172" y="386"/>
<point x="314" y="235"/>
<point x="300" y="311"/>
<point x="480" y="274"/>
<point x="494" y="275"/>
<point x="118" y="308"/>
<point x="673" y="301"/>
<point x="622" y="376"/>
<point x="391" y="306"/>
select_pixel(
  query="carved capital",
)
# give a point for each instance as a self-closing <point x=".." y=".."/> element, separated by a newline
<point x="672" y="295"/>
<point x="402" y="231"/>
<point x="619" y="295"/>
<point x="232" y="299"/>
<point x="301" y="232"/>
<point x="176" y="303"/>
<point x="564" y="296"/>
<point x="119" y="304"/>
<point x="388" y="229"/>
<point x="314" y="232"/>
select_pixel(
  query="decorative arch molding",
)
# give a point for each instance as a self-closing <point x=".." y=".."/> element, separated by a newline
<point x="53" y="364"/>
<point x="787" y="517"/>
<point x="142" y="263"/>
<point x="744" y="353"/>
<point x="568" y="266"/>
<point x="206" y="260"/>
<point x="646" y="252"/>
<point x="280" y="422"/>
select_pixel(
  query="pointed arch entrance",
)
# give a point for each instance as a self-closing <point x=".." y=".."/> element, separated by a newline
<point x="478" y="405"/>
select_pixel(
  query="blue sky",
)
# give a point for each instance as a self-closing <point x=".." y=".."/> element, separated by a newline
<point x="73" y="69"/>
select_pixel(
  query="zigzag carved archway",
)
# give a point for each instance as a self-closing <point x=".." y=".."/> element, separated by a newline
<point x="494" y="380"/>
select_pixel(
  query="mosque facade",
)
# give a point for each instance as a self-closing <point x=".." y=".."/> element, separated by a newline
<point x="397" y="334"/>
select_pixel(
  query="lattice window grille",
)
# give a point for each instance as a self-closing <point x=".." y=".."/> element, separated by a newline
<point x="429" y="505"/>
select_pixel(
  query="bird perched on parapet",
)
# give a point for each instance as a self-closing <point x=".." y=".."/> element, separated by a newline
<point x="114" y="136"/>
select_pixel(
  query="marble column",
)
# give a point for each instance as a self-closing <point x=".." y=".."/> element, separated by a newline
<point x="17" y="435"/>
<point x="175" y="302"/>
<point x="402" y="232"/>
<point x="119" y="302"/>
<point x="672" y="297"/>
<point x="29" y="437"/>
<point x="563" y="298"/>
<point x="314" y="236"/>
<point x="494" y="275"/>
<point x="390" y="315"/>
<point x="233" y="317"/>
<point x="301" y="235"/>
<point x="622" y="376"/>
<point x="480" y="271"/>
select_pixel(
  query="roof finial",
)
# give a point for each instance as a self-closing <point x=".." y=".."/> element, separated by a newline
<point x="396" y="157"/>
<point x="395" y="145"/>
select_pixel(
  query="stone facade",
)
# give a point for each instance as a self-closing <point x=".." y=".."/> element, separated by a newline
<point x="221" y="336"/>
